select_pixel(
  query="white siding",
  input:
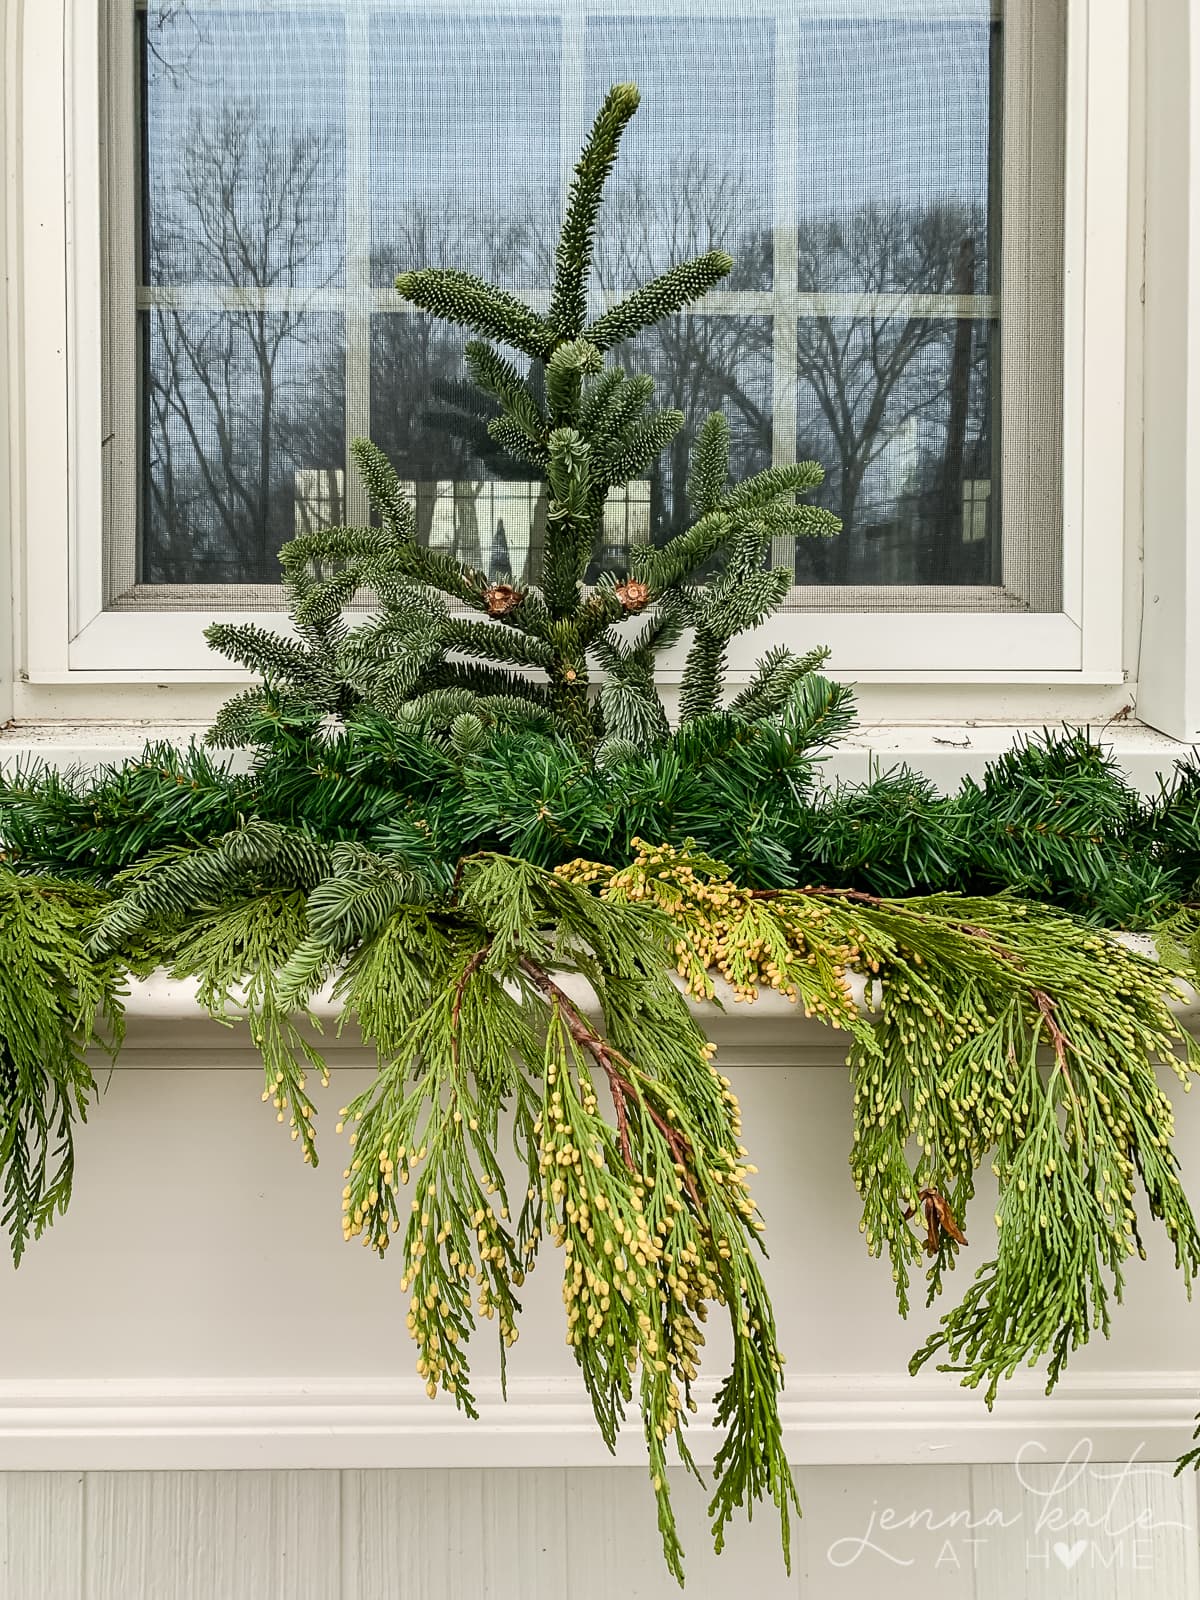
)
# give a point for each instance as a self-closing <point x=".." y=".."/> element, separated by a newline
<point x="580" y="1534"/>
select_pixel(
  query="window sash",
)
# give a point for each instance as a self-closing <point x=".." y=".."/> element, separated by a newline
<point x="1080" y="641"/>
<point x="357" y="301"/>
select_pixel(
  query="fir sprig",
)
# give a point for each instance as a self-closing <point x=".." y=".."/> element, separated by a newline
<point x="1002" y="1030"/>
<point x="55" y="1002"/>
<point x="648" y="1204"/>
<point x="587" y="430"/>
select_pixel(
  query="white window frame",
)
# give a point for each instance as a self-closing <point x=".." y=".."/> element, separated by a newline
<point x="67" y="637"/>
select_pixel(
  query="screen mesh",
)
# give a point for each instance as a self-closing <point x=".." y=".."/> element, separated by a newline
<point x="885" y="173"/>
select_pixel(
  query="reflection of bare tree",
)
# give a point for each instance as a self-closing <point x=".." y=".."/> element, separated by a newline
<point x="700" y="362"/>
<point x="425" y="415"/>
<point x="227" y="390"/>
<point x="510" y="250"/>
<point x="652" y="219"/>
<point x="169" y="44"/>
<point x="875" y="374"/>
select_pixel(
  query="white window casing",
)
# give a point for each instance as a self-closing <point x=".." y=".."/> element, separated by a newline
<point x="977" y="664"/>
<point x="1169" y="665"/>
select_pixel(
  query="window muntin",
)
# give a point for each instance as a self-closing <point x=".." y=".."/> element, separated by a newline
<point x="862" y="324"/>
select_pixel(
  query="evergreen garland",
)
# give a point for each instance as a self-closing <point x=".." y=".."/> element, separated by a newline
<point x="444" y="819"/>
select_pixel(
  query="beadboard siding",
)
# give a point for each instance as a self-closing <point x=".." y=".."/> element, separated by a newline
<point x="579" y="1534"/>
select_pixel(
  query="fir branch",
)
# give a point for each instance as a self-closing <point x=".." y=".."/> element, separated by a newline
<point x="500" y="645"/>
<point x="623" y="407"/>
<point x="775" y="677"/>
<point x="566" y="369"/>
<point x="700" y="690"/>
<point x="495" y="376"/>
<point x="597" y="400"/>
<point x="462" y="298"/>
<point x="662" y="297"/>
<point x="682" y="555"/>
<point x="641" y="444"/>
<point x="383" y="489"/>
<point x="515" y="441"/>
<point x="568" y="305"/>
<point x="797" y="477"/>
<point x="188" y="880"/>
<point x="276" y="659"/>
<point x="708" y="472"/>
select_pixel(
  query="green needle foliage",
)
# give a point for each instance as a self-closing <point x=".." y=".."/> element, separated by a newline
<point x="587" y="430"/>
<point x="998" y="1030"/>
<point x="54" y="1003"/>
<point x="438" y="816"/>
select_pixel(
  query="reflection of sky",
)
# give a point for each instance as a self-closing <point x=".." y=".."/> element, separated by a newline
<point x="287" y="69"/>
<point x="893" y="112"/>
<point x="462" y="114"/>
<point x="465" y="126"/>
<point x="706" y="123"/>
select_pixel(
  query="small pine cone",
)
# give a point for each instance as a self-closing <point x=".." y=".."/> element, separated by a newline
<point x="501" y="598"/>
<point x="633" y="595"/>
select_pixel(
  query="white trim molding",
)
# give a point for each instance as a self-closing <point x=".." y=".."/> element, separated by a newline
<point x="1169" y="669"/>
<point x="860" y="1419"/>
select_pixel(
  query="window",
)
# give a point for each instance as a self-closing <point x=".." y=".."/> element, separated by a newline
<point x="900" y="183"/>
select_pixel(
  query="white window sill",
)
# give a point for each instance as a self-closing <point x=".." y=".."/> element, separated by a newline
<point x="945" y="752"/>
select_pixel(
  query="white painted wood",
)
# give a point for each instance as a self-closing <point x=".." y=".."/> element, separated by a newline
<point x="876" y="1529"/>
<point x="41" y="1536"/>
<point x="616" y="1548"/>
<point x="198" y="1307"/>
<point x="10" y="418"/>
<point x="1087" y="1528"/>
<point x="321" y="1421"/>
<point x="1169" y="669"/>
<point x="212" y="1536"/>
<point x="466" y="1535"/>
<point x="1088" y="1531"/>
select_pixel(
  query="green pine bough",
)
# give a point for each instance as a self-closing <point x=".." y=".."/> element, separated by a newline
<point x="442" y="820"/>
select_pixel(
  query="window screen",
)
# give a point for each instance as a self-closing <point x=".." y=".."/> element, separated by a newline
<point x="885" y="173"/>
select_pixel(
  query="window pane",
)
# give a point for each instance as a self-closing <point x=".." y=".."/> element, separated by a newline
<point x="899" y="410"/>
<point x="244" y="146"/>
<point x="244" y="426"/>
<point x="887" y="175"/>
<point x="695" y="172"/>
<point x="897" y="120"/>
<point x="465" y="167"/>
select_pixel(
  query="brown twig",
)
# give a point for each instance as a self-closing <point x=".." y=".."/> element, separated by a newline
<point x="468" y="972"/>
<point x="621" y="1087"/>
<point x="1059" y="1040"/>
<point x="836" y="894"/>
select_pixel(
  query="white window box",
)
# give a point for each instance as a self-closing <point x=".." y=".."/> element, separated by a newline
<point x="198" y="1308"/>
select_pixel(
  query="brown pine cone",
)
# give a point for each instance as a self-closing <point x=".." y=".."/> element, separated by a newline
<point x="633" y="595"/>
<point x="501" y="598"/>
